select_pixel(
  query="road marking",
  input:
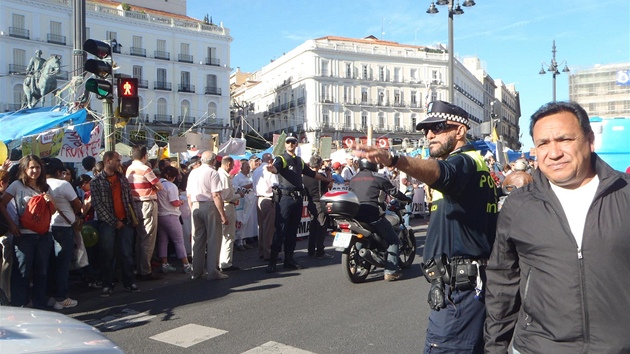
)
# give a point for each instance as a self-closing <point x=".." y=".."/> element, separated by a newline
<point x="119" y="321"/>
<point x="276" y="348"/>
<point x="188" y="335"/>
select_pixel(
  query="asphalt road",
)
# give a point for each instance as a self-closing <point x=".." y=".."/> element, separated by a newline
<point x="314" y="310"/>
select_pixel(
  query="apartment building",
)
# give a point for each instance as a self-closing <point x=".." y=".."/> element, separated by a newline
<point x="182" y="63"/>
<point x="338" y="87"/>
<point x="603" y="90"/>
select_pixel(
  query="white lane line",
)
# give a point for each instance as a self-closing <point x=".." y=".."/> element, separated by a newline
<point x="276" y="348"/>
<point x="188" y="335"/>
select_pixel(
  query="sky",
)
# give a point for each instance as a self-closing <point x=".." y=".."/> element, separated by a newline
<point x="512" y="38"/>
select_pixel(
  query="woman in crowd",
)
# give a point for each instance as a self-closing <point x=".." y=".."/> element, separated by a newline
<point x="31" y="250"/>
<point x="68" y="210"/>
<point x="168" y="221"/>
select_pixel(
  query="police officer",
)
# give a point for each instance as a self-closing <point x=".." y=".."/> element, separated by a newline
<point x="461" y="231"/>
<point x="289" y="195"/>
<point x="367" y="184"/>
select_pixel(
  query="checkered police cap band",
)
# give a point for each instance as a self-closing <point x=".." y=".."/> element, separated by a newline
<point x="439" y="111"/>
<point x="451" y="117"/>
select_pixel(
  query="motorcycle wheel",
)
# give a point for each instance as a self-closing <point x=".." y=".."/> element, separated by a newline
<point x="407" y="252"/>
<point x="354" y="266"/>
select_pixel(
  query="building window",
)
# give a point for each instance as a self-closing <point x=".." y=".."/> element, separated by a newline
<point x="349" y="70"/>
<point x="325" y="71"/>
<point x="397" y="122"/>
<point x="397" y="77"/>
<point x="611" y="107"/>
<point x="364" y="96"/>
<point x="326" y="119"/>
<point x="414" y="98"/>
<point x="347" y="94"/>
<point x="381" y="73"/>
<point x="397" y="98"/>
<point x="212" y="110"/>
<point x="364" y="119"/>
<point x="110" y="35"/>
<point x="413" y="74"/>
<point x="348" y="120"/>
<point x="18" y="96"/>
<point x="364" y="70"/>
<point x="381" y="120"/>
<point x="185" y="112"/>
<point x="381" y="97"/>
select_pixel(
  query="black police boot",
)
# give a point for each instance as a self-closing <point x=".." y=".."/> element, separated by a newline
<point x="271" y="267"/>
<point x="290" y="263"/>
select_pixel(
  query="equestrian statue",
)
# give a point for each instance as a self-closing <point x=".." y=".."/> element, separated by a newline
<point x="41" y="78"/>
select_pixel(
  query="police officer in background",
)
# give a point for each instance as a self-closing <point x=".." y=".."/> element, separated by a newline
<point x="461" y="231"/>
<point x="289" y="196"/>
<point x="367" y="184"/>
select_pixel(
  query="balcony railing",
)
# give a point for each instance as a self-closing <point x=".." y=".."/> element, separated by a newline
<point x="213" y="61"/>
<point x="185" y="88"/>
<point x="56" y="39"/>
<point x="162" y="85"/>
<point x="163" y="118"/>
<point x="17" y="69"/>
<point x="158" y="54"/>
<point x="116" y="49"/>
<point x="211" y="90"/>
<point x="19" y="32"/>
<point x="300" y="101"/>
<point x="187" y="119"/>
<point x="143" y="84"/>
<point x="139" y="52"/>
<point x="185" y="58"/>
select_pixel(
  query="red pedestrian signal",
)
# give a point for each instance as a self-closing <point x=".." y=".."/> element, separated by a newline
<point x="128" y="87"/>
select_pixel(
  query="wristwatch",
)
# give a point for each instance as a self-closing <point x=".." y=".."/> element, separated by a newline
<point x="394" y="157"/>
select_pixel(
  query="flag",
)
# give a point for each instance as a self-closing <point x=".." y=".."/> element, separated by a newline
<point x="495" y="136"/>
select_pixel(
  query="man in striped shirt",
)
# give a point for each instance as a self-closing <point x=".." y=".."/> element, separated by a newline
<point x="144" y="187"/>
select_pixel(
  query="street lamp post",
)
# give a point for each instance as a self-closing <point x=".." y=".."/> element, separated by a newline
<point x="451" y="57"/>
<point x="553" y="69"/>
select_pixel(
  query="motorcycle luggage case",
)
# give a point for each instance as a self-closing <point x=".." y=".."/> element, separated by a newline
<point x="340" y="203"/>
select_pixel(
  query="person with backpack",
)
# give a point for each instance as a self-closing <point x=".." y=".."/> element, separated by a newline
<point x="68" y="211"/>
<point x="32" y="242"/>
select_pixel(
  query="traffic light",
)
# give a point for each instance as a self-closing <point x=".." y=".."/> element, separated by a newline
<point x="100" y="67"/>
<point x="128" y="101"/>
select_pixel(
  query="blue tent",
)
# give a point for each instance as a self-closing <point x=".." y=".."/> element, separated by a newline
<point x="15" y="125"/>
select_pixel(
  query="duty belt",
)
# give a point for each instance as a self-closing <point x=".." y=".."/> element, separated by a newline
<point x="292" y="193"/>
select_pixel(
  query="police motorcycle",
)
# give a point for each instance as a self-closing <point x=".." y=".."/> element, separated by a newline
<point x="363" y="248"/>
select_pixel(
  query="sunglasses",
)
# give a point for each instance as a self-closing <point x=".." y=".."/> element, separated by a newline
<point x="291" y="142"/>
<point x="438" y="128"/>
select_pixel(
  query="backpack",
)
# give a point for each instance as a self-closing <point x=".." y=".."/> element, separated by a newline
<point x="37" y="215"/>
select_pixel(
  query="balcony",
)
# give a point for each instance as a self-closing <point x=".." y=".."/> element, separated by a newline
<point x="184" y="58"/>
<point x="186" y="120"/>
<point x="143" y="84"/>
<point x="162" y="85"/>
<point x="211" y="90"/>
<point x="137" y="51"/>
<point x="17" y="69"/>
<point x="56" y="39"/>
<point x="19" y="32"/>
<point x="163" y="118"/>
<point x="186" y="88"/>
<point x="158" y="54"/>
<point x="300" y="101"/>
<point x="213" y="61"/>
<point x="116" y="49"/>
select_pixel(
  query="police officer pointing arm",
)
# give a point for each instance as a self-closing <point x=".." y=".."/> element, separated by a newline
<point x="461" y="231"/>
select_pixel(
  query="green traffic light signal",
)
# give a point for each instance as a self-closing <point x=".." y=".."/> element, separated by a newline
<point x="102" y="88"/>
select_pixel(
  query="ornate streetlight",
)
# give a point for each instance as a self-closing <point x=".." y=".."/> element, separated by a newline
<point x="451" y="60"/>
<point x="553" y="69"/>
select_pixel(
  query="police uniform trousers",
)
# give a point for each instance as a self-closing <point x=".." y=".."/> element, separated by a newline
<point x="288" y="216"/>
<point x="458" y="328"/>
<point x="206" y="228"/>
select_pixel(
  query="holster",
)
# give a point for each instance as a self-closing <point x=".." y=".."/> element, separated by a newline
<point x="437" y="268"/>
<point x="277" y="194"/>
